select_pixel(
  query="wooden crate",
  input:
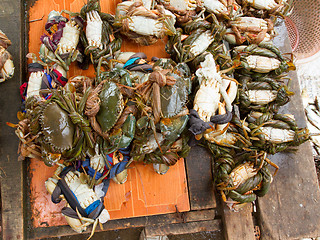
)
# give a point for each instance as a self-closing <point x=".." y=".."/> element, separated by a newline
<point x="289" y="211"/>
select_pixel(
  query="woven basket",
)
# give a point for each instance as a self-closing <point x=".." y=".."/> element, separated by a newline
<point x="304" y="28"/>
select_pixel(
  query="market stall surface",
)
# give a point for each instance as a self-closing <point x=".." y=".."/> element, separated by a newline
<point x="289" y="211"/>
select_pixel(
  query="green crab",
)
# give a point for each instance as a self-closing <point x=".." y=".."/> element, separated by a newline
<point x="241" y="177"/>
<point x="275" y="133"/>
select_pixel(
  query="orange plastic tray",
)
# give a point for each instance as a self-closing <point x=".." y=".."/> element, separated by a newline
<point x="145" y="192"/>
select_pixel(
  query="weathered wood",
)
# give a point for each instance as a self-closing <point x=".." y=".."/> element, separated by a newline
<point x="183" y="228"/>
<point x="11" y="169"/>
<point x="291" y="210"/>
<point x="193" y="216"/>
<point x="200" y="181"/>
<point x="238" y="225"/>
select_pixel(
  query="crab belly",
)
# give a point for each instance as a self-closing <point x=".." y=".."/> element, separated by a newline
<point x="215" y="6"/>
<point x="206" y="101"/>
<point x="262" y="96"/>
<point x="70" y="38"/>
<point x="8" y="69"/>
<point x="242" y="173"/>
<point x="276" y="135"/>
<point x="262" y="64"/>
<point x="34" y="84"/>
<point x="263" y="4"/>
<point x="183" y="4"/>
<point x="145" y="26"/>
<point x="201" y="43"/>
<point x="84" y="194"/>
<point x="94" y="29"/>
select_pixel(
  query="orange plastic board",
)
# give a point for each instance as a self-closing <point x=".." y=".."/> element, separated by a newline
<point x="145" y="192"/>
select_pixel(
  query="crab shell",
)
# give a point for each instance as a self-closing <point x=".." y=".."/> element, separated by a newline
<point x="174" y="98"/>
<point x="6" y="65"/>
<point x="111" y="106"/>
<point x="57" y="127"/>
<point x="4" y="40"/>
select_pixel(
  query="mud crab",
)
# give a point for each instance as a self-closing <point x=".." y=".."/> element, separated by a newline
<point x="6" y="63"/>
<point x="263" y="58"/>
<point x="184" y="10"/>
<point x="60" y="46"/>
<point x="275" y="133"/>
<point x="249" y="29"/>
<point x="201" y="35"/>
<point x="263" y="94"/>
<point x="99" y="39"/>
<point x="83" y="206"/>
<point x="143" y="26"/>
<point x="164" y="117"/>
<point x="213" y="87"/>
<point x="241" y="177"/>
<point x="258" y="8"/>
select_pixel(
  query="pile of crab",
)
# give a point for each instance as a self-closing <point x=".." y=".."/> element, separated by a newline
<point x="222" y="87"/>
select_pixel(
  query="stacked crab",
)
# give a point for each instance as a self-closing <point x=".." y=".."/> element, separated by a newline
<point x="139" y="110"/>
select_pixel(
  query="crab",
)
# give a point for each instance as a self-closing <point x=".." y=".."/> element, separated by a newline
<point x="262" y="93"/>
<point x="207" y="99"/>
<point x="260" y="8"/>
<point x="263" y="58"/>
<point x="276" y="133"/>
<point x="99" y="40"/>
<point x="83" y="206"/>
<point x="6" y="65"/>
<point x="250" y="29"/>
<point x="184" y="10"/>
<point x="202" y="34"/>
<point x="143" y="26"/>
<point x="241" y="177"/>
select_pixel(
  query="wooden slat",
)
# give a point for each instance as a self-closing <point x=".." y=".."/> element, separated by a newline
<point x="183" y="228"/>
<point x="200" y="182"/>
<point x="11" y="170"/>
<point x="193" y="216"/>
<point x="291" y="208"/>
<point x="238" y="225"/>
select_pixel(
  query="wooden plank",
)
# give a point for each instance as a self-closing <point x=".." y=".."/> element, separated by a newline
<point x="238" y="225"/>
<point x="183" y="228"/>
<point x="11" y="169"/>
<point x="144" y="193"/>
<point x="200" y="181"/>
<point x="291" y="208"/>
<point x="192" y="216"/>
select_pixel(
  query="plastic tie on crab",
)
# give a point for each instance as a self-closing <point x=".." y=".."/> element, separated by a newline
<point x="198" y="126"/>
<point x="133" y="63"/>
<point x="90" y="170"/>
<point x="23" y="90"/>
<point x="58" y="78"/>
<point x="35" y="67"/>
